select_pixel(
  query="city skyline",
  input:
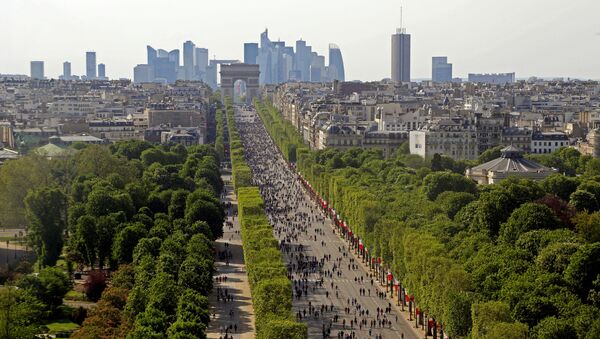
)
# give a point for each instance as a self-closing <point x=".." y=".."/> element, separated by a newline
<point x="478" y="37"/>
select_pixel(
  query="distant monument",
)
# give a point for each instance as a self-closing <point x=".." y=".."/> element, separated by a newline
<point x="246" y="72"/>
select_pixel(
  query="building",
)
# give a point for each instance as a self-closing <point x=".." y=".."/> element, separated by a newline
<point x="336" y="64"/>
<point x="492" y="79"/>
<point x="518" y="137"/>
<point x="189" y="58"/>
<point x="175" y="118"/>
<point x="114" y="129"/>
<point x="401" y="56"/>
<point x="37" y="70"/>
<point x="250" y="52"/>
<point x="188" y="136"/>
<point x="66" y="140"/>
<point x="548" y="142"/>
<point x="143" y="73"/>
<point x="455" y="137"/>
<point x="102" y="71"/>
<point x="90" y="65"/>
<point x="441" y="70"/>
<point x="201" y="63"/>
<point x="7" y="154"/>
<point x="66" y="70"/>
<point x="510" y="164"/>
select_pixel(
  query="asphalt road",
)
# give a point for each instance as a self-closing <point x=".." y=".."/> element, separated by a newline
<point x="310" y="241"/>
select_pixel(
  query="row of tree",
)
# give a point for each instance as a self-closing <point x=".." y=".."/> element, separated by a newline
<point x="241" y="172"/>
<point x="167" y="242"/>
<point x="510" y="260"/>
<point x="153" y="207"/>
<point x="270" y="287"/>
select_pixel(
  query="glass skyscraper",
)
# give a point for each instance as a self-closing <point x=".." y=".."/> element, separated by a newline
<point x="189" y="57"/>
<point x="90" y="65"/>
<point x="37" y="70"/>
<point x="250" y="52"/>
<point x="441" y="70"/>
<point x="336" y="63"/>
<point x="401" y="56"/>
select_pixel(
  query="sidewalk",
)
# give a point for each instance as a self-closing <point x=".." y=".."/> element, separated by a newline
<point x="236" y="284"/>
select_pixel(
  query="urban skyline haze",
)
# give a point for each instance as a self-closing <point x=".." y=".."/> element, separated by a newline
<point x="525" y="37"/>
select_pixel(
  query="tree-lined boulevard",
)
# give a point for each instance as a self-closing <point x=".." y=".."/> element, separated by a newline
<point x="333" y="293"/>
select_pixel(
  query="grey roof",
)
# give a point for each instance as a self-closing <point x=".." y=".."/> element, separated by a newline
<point x="511" y="161"/>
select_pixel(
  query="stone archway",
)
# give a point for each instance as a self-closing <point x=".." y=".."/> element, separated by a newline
<point x="247" y="72"/>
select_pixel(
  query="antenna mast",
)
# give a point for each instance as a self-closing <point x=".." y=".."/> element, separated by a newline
<point x="401" y="29"/>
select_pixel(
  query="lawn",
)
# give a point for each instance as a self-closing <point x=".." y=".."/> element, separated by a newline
<point x="62" y="326"/>
<point x="75" y="296"/>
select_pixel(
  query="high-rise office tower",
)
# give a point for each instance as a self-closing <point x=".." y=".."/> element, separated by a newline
<point x="317" y="68"/>
<point x="37" y="70"/>
<point x="201" y="63"/>
<point x="143" y="73"/>
<point x="189" y="58"/>
<point x="401" y="56"/>
<point x="174" y="56"/>
<point x="303" y="59"/>
<point x="101" y="71"/>
<point x="90" y="65"/>
<point x="66" y="70"/>
<point x="336" y="63"/>
<point x="250" y="52"/>
<point x="441" y="70"/>
<point x="152" y="55"/>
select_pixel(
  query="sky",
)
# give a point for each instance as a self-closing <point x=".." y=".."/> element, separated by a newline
<point x="546" y="38"/>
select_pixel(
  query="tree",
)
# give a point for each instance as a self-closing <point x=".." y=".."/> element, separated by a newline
<point x="588" y="225"/>
<point x="457" y="314"/>
<point x="46" y="211"/>
<point x="485" y="314"/>
<point x="452" y="202"/>
<point x="528" y="217"/>
<point x="17" y="179"/>
<point x="438" y="182"/>
<point x="193" y="307"/>
<point x="84" y="239"/>
<point x="49" y="286"/>
<point x="202" y="206"/>
<point x="584" y="201"/>
<point x="125" y="242"/>
<point x="95" y="283"/>
<point x="490" y="154"/>
<point x="504" y="330"/>
<point x="553" y="328"/>
<point x="583" y="268"/>
<point x="196" y="274"/>
<point x="20" y="313"/>
<point x="560" y="185"/>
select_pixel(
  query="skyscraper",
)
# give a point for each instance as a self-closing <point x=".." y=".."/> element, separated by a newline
<point x="303" y="59"/>
<point x="90" y="65"/>
<point x="66" y="70"/>
<point x="189" y="58"/>
<point x="441" y="70"/>
<point x="152" y="55"/>
<point x="401" y="56"/>
<point x="250" y="52"/>
<point x="143" y="73"/>
<point x="201" y="63"/>
<point x="174" y="56"/>
<point x="37" y="70"/>
<point x="101" y="71"/>
<point x="336" y="63"/>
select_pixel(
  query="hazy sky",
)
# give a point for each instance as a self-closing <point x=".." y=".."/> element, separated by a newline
<point x="529" y="37"/>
